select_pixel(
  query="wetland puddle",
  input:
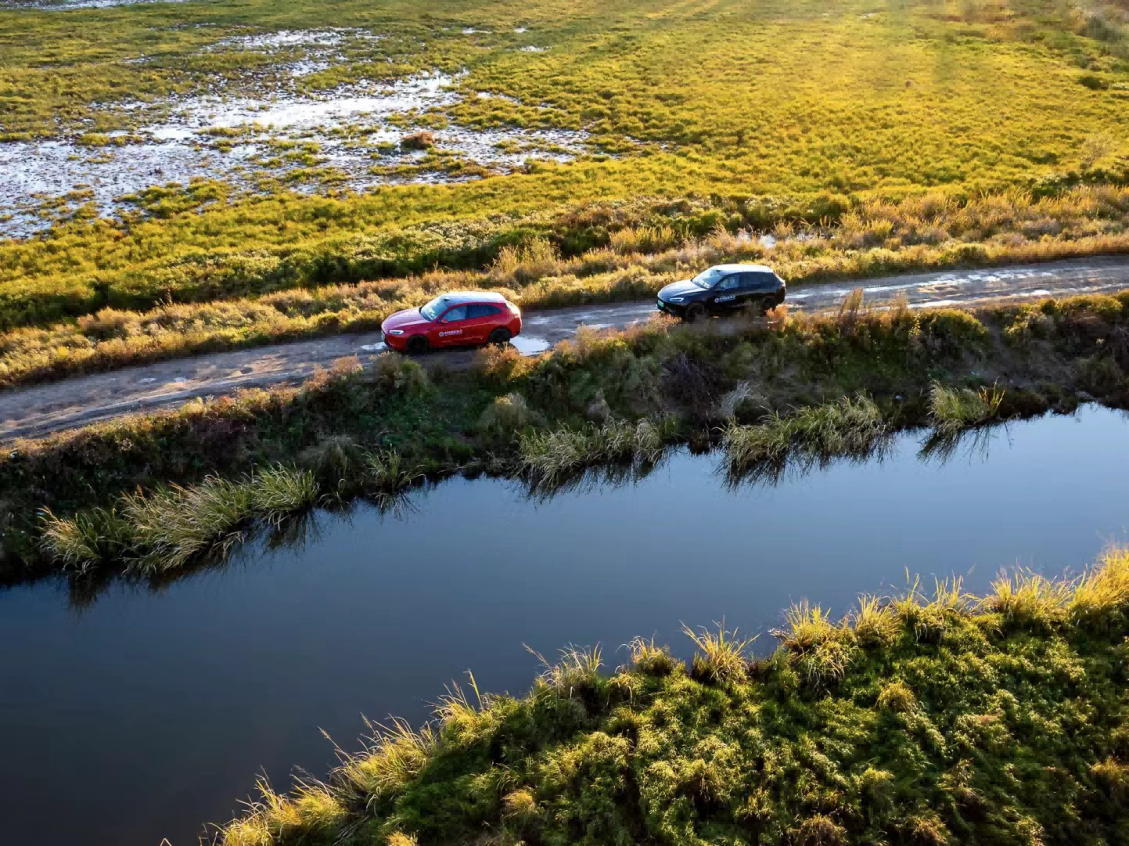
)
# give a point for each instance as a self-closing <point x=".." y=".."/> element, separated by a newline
<point x="177" y="695"/>
<point x="348" y="138"/>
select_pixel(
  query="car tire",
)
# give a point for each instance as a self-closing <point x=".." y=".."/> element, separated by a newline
<point x="500" y="336"/>
<point x="417" y="345"/>
<point x="694" y="312"/>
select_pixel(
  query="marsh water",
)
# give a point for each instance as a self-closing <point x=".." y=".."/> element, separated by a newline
<point x="141" y="713"/>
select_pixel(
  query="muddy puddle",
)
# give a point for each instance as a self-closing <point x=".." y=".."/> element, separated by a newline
<point x="346" y="138"/>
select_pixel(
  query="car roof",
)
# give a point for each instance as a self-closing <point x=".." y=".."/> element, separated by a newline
<point x="742" y="268"/>
<point x="456" y="297"/>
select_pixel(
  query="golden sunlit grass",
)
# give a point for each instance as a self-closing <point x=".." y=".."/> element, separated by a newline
<point x="1085" y="222"/>
<point x="1104" y="588"/>
<point x="395" y="756"/>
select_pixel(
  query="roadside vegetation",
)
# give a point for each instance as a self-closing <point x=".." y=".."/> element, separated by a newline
<point x="786" y="391"/>
<point x="916" y="719"/>
<point x="537" y="263"/>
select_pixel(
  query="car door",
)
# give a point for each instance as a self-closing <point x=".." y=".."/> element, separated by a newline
<point x="762" y="289"/>
<point x="747" y="291"/>
<point x="481" y="319"/>
<point x="727" y="292"/>
<point x="451" y="328"/>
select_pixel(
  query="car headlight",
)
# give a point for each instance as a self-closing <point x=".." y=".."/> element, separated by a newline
<point x="395" y="331"/>
<point x="677" y="299"/>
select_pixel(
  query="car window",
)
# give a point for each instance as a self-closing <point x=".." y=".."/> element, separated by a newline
<point x="481" y="310"/>
<point x="730" y="283"/>
<point x="764" y="281"/>
<point x="707" y="278"/>
<point x="434" y="308"/>
<point x="456" y="313"/>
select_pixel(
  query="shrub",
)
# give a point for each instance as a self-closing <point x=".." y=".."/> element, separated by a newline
<point x="336" y="461"/>
<point x="1113" y="776"/>
<point x="395" y="373"/>
<point x="506" y="416"/>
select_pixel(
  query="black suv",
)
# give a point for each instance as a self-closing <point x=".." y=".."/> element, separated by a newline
<point x="722" y="288"/>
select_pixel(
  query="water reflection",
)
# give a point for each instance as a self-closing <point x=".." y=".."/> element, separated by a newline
<point x="943" y="447"/>
<point x="302" y="530"/>
<point x="295" y="533"/>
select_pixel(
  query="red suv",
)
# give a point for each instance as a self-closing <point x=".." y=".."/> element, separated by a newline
<point x="453" y="320"/>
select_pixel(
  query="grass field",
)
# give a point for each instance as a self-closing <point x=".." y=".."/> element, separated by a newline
<point x="695" y="115"/>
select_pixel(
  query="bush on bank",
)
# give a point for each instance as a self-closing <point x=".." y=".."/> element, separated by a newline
<point x="915" y="720"/>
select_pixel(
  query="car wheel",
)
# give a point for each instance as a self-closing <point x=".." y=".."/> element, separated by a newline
<point x="417" y="345"/>
<point x="694" y="312"/>
<point x="500" y="336"/>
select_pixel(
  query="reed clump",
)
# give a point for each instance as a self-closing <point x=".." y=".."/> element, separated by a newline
<point x="954" y="409"/>
<point x="169" y="527"/>
<point x="552" y="456"/>
<point x="851" y="427"/>
<point x="721" y="655"/>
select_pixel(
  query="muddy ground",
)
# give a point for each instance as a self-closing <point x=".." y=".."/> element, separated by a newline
<point x="39" y="410"/>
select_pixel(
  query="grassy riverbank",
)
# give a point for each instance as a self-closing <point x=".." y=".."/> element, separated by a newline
<point x="539" y="263"/>
<point x="771" y="391"/>
<point x="923" y="719"/>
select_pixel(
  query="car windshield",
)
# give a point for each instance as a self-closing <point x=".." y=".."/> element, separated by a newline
<point x="708" y="278"/>
<point x="434" y="308"/>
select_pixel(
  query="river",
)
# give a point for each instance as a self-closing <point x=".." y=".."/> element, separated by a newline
<point x="143" y="712"/>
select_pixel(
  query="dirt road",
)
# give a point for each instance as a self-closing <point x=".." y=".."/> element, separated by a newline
<point x="38" y="410"/>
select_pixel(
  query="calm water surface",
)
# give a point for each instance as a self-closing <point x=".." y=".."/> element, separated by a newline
<point x="147" y="713"/>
